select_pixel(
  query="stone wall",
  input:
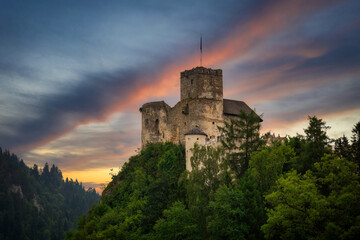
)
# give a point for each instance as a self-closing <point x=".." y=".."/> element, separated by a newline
<point x="189" y="145"/>
<point x="154" y="122"/>
<point x="185" y="115"/>
<point x="201" y="82"/>
<point x="201" y="105"/>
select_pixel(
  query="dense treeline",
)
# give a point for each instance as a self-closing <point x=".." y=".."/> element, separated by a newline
<point x="38" y="203"/>
<point x="295" y="189"/>
<point x="135" y="199"/>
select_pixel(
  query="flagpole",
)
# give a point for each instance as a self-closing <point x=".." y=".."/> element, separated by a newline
<point x="201" y="50"/>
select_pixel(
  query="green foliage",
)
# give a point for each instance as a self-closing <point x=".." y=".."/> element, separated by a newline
<point x="311" y="148"/>
<point x="241" y="139"/>
<point x="268" y="164"/>
<point x="177" y="224"/>
<point x="318" y="205"/>
<point x="222" y="207"/>
<point x="208" y="172"/>
<point x="38" y="204"/>
<point x="137" y="196"/>
<point x="237" y="212"/>
<point x="255" y="215"/>
<point x="227" y="220"/>
<point x="317" y="143"/>
<point x="343" y="148"/>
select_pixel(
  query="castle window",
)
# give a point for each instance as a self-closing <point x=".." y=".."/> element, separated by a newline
<point x="213" y="122"/>
<point x="163" y="135"/>
<point x="146" y="122"/>
<point x="157" y="126"/>
<point x="185" y="110"/>
<point x="192" y="81"/>
<point x="185" y="123"/>
<point x="197" y="139"/>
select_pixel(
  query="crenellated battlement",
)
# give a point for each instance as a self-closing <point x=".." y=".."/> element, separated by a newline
<point x="201" y="70"/>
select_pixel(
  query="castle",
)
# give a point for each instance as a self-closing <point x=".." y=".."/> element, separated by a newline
<point x="194" y="119"/>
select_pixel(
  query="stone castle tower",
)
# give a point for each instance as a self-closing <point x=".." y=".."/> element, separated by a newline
<point x="194" y="119"/>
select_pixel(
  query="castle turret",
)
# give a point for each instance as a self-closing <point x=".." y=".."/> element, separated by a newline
<point x="194" y="136"/>
<point x="202" y="82"/>
<point x="154" y="122"/>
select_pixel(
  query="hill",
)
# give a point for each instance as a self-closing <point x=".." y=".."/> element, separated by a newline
<point x="38" y="203"/>
<point x="295" y="189"/>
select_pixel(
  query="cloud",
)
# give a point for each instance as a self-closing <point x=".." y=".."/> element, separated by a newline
<point x="98" y="95"/>
<point x="91" y="146"/>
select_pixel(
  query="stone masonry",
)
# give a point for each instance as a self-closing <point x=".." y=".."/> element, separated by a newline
<point x="194" y="119"/>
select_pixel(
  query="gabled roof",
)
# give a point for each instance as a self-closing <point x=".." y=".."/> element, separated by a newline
<point x="233" y="107"/>
<point x="195" y="131"/>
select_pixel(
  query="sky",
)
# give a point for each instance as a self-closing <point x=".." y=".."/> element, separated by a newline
<point x="73" y="74"/>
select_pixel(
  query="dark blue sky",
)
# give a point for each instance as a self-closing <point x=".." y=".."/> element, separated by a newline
<point x="74" y="73"/>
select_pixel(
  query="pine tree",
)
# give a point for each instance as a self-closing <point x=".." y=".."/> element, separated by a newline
<point x="317" y="143"/>
<point x="343" y="148"/>
<point x="242" y="137"/>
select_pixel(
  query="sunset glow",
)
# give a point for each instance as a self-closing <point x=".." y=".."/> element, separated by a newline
<point x="72" y="79"/>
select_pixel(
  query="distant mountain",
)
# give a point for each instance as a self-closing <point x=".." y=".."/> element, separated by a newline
<point x="37" y="203"/>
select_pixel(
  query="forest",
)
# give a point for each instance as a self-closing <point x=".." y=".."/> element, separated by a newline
<point x="305" y="187"/>
<point x="37" y="203"/>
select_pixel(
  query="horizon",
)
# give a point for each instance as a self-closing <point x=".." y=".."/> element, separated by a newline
<point x="73" y="75"/>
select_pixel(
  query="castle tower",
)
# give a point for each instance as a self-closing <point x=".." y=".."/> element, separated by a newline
<point x="194" y="136"/>
<point x="201" y="82"/>
<point x="154" y="122"/>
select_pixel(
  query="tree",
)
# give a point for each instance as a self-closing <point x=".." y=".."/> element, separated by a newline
<point x="177" y="224"/>
<point x="228" y="213"/>
<point x="137" y="196"/>
<point x="317" y="143"/>
<point x="343" y="148"/>
<point x="322" y="204"/>
<point x="209" y="171"/>
<point x="267" y="165"/>
<point x="242" y="138"/>
<point x="35" y="208"/>
<point x="35" y="171"/>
